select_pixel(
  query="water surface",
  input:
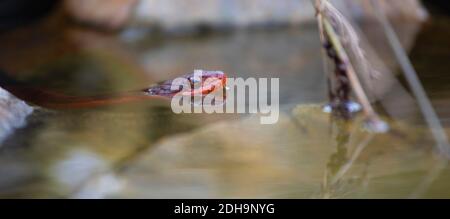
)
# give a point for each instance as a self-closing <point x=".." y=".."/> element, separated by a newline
<point x="143" y="150"/>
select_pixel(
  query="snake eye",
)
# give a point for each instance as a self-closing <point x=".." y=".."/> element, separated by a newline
<point x="195" y="79"/>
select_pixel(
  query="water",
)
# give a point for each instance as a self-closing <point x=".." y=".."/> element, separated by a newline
<point x="144" y="150"/>
<point x="429" y="57"/>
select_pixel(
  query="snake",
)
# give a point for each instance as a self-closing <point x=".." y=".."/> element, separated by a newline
<point x="201" y="84"/>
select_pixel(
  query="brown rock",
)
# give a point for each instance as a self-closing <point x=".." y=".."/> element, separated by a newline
<point x="110" y="14"/>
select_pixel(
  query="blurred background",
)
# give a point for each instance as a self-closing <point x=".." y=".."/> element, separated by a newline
<point x="83" y="47"/>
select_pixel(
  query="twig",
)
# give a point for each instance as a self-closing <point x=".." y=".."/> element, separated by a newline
<point x="356" y="85"/>
<point x="328" y="33"/>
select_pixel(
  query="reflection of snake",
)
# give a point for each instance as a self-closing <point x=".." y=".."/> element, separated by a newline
<point x="209" y="82"/>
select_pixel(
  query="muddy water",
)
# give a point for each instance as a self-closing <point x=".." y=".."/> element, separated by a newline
<point x="144" y="150"/>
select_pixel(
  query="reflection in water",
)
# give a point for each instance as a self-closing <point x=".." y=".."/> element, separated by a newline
<point x="341" y="161"/>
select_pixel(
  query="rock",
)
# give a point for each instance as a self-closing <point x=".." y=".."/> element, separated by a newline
<point x="13" y="113"/>
<point x="176" y="15"/>
<point x="237" y="13"/>
<point x="112" y="14"/>
<point x="411" y="10"/>
<point x="170" y="14"/>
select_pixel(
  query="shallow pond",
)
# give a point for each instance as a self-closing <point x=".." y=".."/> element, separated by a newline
<point x="143" y="150"/>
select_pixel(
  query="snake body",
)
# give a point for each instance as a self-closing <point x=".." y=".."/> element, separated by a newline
<point x="210" y="81"/>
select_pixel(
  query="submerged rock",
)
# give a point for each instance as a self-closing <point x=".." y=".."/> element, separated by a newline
<point x="306" y="154"/>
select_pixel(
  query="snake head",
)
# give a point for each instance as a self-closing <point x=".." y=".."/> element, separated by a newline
<point x="200" y="82"/>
